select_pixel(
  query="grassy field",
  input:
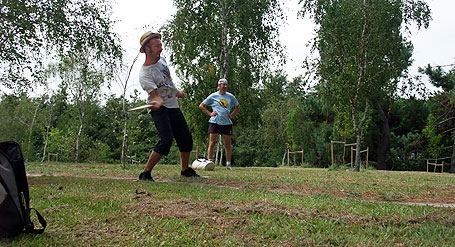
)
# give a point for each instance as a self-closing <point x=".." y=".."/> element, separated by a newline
<point x="104" y="205"/>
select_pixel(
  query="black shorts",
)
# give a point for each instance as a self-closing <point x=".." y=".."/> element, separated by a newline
<point x="220" y="129"/>
<point x="171" y="124"/>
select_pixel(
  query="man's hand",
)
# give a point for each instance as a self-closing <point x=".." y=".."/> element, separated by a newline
<point x="155" y="105"/>
<point x="157" y="101"/>
<point x="237" y="109"/>
<point x="180" y="94"/>
<point x="211" y="114"/>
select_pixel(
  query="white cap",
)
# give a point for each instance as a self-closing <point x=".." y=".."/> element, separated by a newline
<point x="222" y="81"/>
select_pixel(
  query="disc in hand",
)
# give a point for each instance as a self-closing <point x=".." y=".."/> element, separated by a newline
<point x="140" y="107"/>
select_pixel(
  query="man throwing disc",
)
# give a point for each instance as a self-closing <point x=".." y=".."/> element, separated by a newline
<point x="220" y="122"/>
<point x="155" y="79"/>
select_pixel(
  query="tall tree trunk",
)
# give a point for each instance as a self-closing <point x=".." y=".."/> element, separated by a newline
<point x="78" y="137"/>
<point x="30" y="133"/>
<point x="224" y="42"/>
<point x="123" y="157"/>
<point x="363" y="68"/>
<point x="124" y="154"/>
<point x="124" y="143"/>
<point x="358" y="157"/>
<point x="384" y="141"/>
<point x="46" y="142"/>
<point x="359" y="135"/>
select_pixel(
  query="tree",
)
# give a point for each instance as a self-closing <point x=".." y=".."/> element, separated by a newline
<point x="123" y="85"/>
<point x="310" y="125"/>
<point x="49" y="112"/>
<point x="362" y="54"/>
<point x="444" y="111"/>
<point x="407" y="118"/>
<point x="32" y="30"/>
<point x="223" y="38"/>
<point x="84" y="77"/>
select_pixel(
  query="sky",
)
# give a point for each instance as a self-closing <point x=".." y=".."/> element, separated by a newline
<point x="434" y="45"/>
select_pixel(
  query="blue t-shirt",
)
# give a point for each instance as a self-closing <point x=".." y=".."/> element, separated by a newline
<point x="222" y="104"/>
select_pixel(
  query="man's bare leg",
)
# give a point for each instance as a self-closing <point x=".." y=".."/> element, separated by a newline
<point x="228" y="148"/>
<point x="154" y="157"/>
<point x="212" y="142"/>
<point x="152" y="161"/>
<point x="185" y="159"/>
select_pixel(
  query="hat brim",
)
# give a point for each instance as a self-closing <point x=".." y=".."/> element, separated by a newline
<point x="147" y="39"/>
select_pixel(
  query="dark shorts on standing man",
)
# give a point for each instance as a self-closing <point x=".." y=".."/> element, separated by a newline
<point x="220" y="129"/>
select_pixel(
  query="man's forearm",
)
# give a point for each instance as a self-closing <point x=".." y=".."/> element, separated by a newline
<point x="233" y="113"/>
<point x="202" y="107"/>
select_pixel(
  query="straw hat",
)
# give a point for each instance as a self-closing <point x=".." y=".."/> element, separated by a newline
<point x="146" y="37"/>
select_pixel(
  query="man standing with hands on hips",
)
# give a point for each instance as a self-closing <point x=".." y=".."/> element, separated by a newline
<point x="220" y="122"/>
<point x="155" y="79"/>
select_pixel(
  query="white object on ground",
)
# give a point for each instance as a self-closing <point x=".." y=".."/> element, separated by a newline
<point x="203" y="164"/>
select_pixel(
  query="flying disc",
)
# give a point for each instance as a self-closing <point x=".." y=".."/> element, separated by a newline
<point x="140" y="107"/>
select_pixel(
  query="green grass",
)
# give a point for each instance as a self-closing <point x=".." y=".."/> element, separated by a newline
<point x="104" y="205"/>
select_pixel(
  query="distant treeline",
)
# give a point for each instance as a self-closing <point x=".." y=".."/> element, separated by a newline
<point x="264" y="130"/>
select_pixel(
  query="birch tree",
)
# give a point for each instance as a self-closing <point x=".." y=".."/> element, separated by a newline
<point x="362" y="54"/>
<point x="234" y="39"/>
<point x="34" y="30"/>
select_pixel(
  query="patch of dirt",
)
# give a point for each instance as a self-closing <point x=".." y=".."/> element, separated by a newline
<point x="227" y="215"/>
<point x="431" y="198"/>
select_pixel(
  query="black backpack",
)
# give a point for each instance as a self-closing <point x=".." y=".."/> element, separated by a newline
<point x="14" y="195"/>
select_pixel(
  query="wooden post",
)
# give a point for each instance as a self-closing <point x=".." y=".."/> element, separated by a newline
<point x="294" y="158"/>
<point x="344" y="153"/>
<point x="352" y="156"/>
<point x="331" y="148"/>
<point x="288" y="156"/>
<point x="428" y="165"/>
<point x="302" y="156"/>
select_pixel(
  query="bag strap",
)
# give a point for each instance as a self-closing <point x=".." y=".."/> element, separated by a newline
<point x="31" y="227"/>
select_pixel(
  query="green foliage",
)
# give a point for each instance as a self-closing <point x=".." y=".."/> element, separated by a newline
<point x="62" y="143"/>
<point x="434" y="139"/>
<point x="212" y="39"/>
<point x="36" y="29"/>
<point x="440" y="78"/>
<point x="99" y="153"/>
<point x="343" y="123"/>
<point x="11" y="125"/>
<point x="249" y="150"/>
<point x="408" y="115"/>
<point x="362" y="53"/>
<point x="310" y="128"/>
<point x="406" y="152"/>
<point x="274" y="125"/>
<point x="440" y="130"/>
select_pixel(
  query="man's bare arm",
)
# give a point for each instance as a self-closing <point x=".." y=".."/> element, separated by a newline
<point x="202" y="107"/>
<point x="157" y="101"/>
<point x="234" y="112"/>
